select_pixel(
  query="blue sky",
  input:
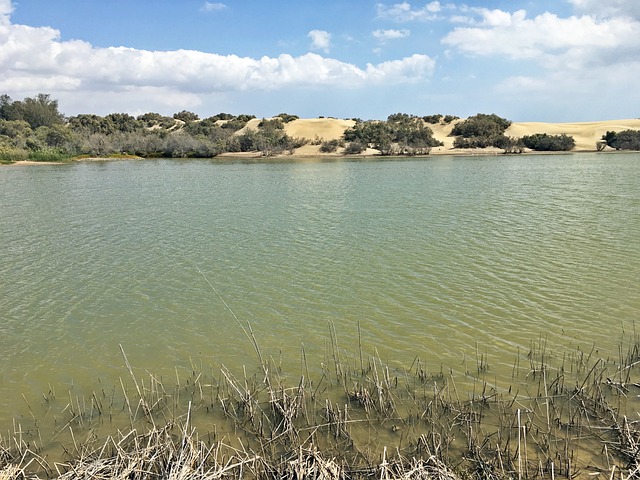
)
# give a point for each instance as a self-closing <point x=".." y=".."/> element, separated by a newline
<point x="561" y="60"/>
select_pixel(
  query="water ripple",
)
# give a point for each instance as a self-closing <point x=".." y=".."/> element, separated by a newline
<point x="430" y="257"/>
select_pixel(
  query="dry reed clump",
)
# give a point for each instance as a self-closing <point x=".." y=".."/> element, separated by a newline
<point x="360" y="420"/>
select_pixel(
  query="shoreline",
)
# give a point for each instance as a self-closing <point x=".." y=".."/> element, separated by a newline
<point x="257" y="156"/>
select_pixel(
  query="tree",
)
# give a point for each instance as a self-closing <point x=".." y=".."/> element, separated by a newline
<point x="5" y="104"/>
<point x="123" y="122"/>
<point x="37" y="111"/>
<point x="89" y="124"/>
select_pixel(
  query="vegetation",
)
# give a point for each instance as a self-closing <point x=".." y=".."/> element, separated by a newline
<point x="401" y="134"/>
<point x="438" y="118"/>
<point x="330" y="146"/>
<point x="567" y="415"/>
<point x="548" y="143"/>
<point x="625" y="140"/>
<point x="480" y="131"/>
<point x="354" y="148"/>
<point x="34" y="129"/>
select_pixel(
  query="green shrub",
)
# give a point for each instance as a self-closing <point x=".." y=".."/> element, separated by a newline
<point x="432" y="119"/>
<point x="186" y="116"/>
<point x="330" y="146"/>
<point x="354" y="148"/>
<point x="481" y="125"/>
<point x="286" y="118"/>
<point x="48" y="155"/>
<point x="13" y="154"/>
<point x="625" y="140"/>
<point x="548" y="143"/>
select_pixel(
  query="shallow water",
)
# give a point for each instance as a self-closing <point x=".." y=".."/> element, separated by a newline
<point x="447" y="258"/>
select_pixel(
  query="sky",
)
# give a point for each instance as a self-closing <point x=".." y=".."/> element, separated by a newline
<point x="525" y="60"/>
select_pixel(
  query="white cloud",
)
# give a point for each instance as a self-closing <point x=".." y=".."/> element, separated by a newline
<point x="404" y="12"/>
<point x="36" y="60"/>
<point x="384" y="35"/>
<point x="5" y="11"/>
<point x="320" y="40"/>
<point x="410" y="69"/>
<point x="213" y="7"/>
<point x="545" y="37"/>
<point x="582" y="58"/>
<point x="630" y="8"/>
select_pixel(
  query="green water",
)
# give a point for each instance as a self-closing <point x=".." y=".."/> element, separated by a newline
<point x="432" y="258"/>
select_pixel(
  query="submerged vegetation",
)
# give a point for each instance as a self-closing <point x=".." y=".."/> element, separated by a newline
<point x="562" y="416"/>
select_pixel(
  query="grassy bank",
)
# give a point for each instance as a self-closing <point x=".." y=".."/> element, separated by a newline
<point x="564" y="415"/>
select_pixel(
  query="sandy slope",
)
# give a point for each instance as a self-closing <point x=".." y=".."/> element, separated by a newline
<point x="323" y="128"/>
<point x="586" y="134"/>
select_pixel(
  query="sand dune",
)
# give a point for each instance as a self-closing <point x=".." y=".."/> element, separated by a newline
<point x="323" y="128"/>
<point x="586" y="134"/>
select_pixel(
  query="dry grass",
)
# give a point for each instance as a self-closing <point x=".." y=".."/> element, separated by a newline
<point x="359" y="420"/>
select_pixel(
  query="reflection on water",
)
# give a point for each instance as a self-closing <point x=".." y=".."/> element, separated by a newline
<point x="432" y="258"/>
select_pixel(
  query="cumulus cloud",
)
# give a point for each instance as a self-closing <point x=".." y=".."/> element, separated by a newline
<point x="213" y="7"/>
<point x="37" y="60"/>
<point x="630" y="8"/>
<point x="5" y="12"/>
<point x="589" y="54"/>
<point x="547" y="37"/>
<point x="384" y="35"/>
<point x="320" y="40"/>
<point x="405" y="12"/>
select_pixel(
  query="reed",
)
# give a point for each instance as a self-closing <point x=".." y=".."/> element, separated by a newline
<point x="360" y="419"/>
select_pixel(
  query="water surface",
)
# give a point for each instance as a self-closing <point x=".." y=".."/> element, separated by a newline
<point x="435" y="258"/>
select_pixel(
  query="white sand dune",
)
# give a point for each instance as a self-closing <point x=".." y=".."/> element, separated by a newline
<point x="322" y="128"/>
<point x="585" y="134"/>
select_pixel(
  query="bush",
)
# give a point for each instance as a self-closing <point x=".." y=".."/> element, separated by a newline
<point x="234" y="125"/>
<point x="329" y="147"/>
<point x="481" y="125"/>
<point x="432" y="119"/>
<point x="13" y="154"/>
<point x="548" y="143"/>
<point x="354" y="148"/>
<point x="625" y="140"/>
<point x="286" y="118"/>
<point x="48" y="155"/>
<point x="275" y="123"/>
<point x="186" y="116"/>
<point x="400" y="134"/>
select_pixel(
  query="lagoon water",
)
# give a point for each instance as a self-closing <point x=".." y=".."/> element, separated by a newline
<point x="436" y="258"/>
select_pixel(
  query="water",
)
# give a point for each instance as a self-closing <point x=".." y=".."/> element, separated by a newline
<point x="436" y="258"/>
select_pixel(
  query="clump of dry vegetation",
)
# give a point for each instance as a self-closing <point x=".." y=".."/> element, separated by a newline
<point x="360" y="419"/>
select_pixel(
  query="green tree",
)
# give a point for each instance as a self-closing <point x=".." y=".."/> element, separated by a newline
<point x="123" y="122"/>
<point x="37" y="111"/>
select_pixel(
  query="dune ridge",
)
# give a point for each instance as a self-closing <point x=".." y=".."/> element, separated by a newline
<point x="585" y="134"/>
